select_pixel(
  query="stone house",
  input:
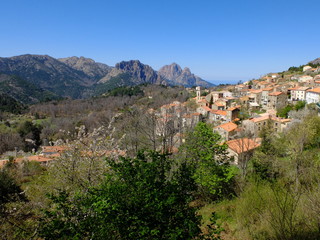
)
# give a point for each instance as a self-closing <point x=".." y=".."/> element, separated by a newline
<point x="241" y="149"/>
<point x="217" y="115"/>
<point x="233" y="113"/>
<point x="305" y="78"/>
<point x="277" y="100"/>
<point x="255" y="96"/>
<point x="264" y="96"/>
<point x="255" y="125"/>
<point x="226" y="130"/>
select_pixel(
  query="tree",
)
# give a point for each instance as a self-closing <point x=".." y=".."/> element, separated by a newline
<point x="300" y="105"/>
<point x="31" y="132"/>
<point x="283" y="112"/>
<point x="210" y="162"/>
<point x="10" y="196"/>
<point x="141" y="198"/>
<point x="211" y="102"/>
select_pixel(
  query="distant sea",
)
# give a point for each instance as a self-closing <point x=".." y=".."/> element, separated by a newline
<point x="217" y="82"/>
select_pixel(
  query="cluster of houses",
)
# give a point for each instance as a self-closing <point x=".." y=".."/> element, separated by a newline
<point x="224" y="109"/>
<point x="262" y="98"/>
<point x="47" y="154"/>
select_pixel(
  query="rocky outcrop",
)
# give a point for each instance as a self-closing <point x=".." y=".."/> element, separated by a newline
<point x="48" y="73"/>
<point x="175" y="75"/>
<point x="316" y="61"/>
<point x="78" y="77"/>
<point x="91" y="68"/>
<point x="139" y="73"/>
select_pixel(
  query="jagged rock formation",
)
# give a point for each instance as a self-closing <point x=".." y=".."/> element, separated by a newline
<point x="316" y="61"/>
<point x="78" y="77"/>
<point x="139" y="73"/>
<point x="91" y="68"/>
<point x="48" y="73"/>
<point x="178" y="76"/>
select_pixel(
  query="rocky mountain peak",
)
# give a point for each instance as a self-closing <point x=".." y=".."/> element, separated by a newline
<point x="171" y="71"/>
<point x="139" y="72"/>
<point x="186" y="70"/>
<point x="87" y="65"/>
<point x="316" y="61"/>
<point x="176" y="76"/>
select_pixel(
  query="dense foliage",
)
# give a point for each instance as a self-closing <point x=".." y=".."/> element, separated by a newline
<point x="140" y="198"/>
<point x="209" y="161"/>
<point x="9" y="104"/>
<point x="24" y="91"/>
<point x="195" y="193"/>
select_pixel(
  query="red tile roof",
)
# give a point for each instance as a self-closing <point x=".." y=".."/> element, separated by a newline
<point x="315" y="90"/>
<point x="259" y="119"/>
<point x="229" y="126"/>
<point x="242" y="145"/>
<point x="221" y="112"/>
<point x="275" y="93"/>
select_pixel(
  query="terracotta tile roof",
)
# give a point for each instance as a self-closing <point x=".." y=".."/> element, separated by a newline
<point x="255" y="91"/>
<point x="229" y="126"/>
<point x="221" y="112"/>
<point x="244" y="98"/>
<point x="262" y="83"/>
<point x="267" y="89"/>
<point x="315" y="90"/>
<point x="47" y="149"/>
<point x="282" y="120"/>
<point x="38" y="158"/>
<point x="230" y="98"/>
<point x="219" y="104"/>
<point x="242" y="145"/>
<point x="233" y="108"/>
<point x="206" y="108"/>
<point x="275" y="93"/>
<point x="259" y="119"/>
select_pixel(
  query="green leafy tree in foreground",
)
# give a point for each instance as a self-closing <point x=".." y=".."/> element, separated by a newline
<point x="141" y="198"/>
<point x="210" y="162"/>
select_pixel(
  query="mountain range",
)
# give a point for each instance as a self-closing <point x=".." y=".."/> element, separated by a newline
<point x="24" y="77"/>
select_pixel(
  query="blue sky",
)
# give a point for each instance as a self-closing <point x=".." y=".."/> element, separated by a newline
<point x="218" y="40"/>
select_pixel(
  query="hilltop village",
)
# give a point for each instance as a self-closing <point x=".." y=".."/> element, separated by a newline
<point x="239" y="113"/>
<point x="234" y="161"/>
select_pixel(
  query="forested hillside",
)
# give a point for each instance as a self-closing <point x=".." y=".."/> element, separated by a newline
<point x="141" y="163"/>
<point x="78" y="77"/>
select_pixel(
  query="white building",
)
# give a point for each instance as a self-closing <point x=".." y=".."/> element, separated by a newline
<point x="305" y="78"/>
<point x="299" y="93"/>
<point x="306" y="68"/>
<point x="313" y="95"/>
